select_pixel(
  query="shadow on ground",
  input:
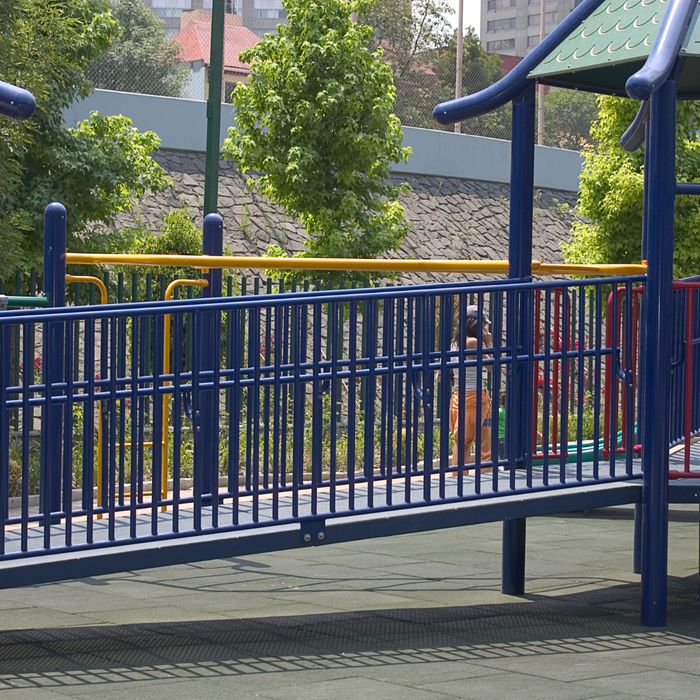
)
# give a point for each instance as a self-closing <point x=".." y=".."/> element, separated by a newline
<point x="593" y="621"/>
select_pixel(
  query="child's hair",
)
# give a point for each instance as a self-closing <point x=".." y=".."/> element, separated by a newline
<point x="472" y="327"/>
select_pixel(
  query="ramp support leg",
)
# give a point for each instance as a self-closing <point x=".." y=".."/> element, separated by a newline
<point x="513" y="572"/>
<point x="637" y="547"/>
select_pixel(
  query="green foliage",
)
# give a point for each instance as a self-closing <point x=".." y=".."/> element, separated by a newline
<point x="479" y="71"/>
<point x="178" y="236"/>
<point x="612" y="184"/>
<point x="316" y="122"/>
<point x="95" y="169"/>
<point x="141" y="59"/>
<point x="568" y="115"/>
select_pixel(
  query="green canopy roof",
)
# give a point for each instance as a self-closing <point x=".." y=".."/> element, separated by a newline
<point x="612" y="44"/>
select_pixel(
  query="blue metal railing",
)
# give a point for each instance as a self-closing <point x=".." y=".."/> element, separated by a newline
<point x="325" y="404"/>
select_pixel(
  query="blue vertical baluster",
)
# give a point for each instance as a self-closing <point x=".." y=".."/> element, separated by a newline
<point x="298" y="406"/>
<point x="428" y="381"/>
<point x="460" y="388"/>
<point x="399" y="400"/>
<point x="352" y="401"/>
<point x="134" y="416"/>
<point x="234" y="420"/>
<point x="563" y="402"/>
<point x="285" y="391"/>
<point x="5" y="415"/>
<point x="333" y="332"/>
<point x="446" y="313"/>
<point x="479" y="418"/>
<point x="388" y="387"/>
<point x="277" y="418"/>
<point x="178" y="338"/>
<point x="197" y="481"/>
<point x="496" y="311"/>
<point x="157" y="425"/>
<point x="89" y="427"/>
<point x="26" y="424"/>
<point x="629" y="370"/>
<point x="613" y="382"/>
<point x="268" y="335"/>
<point x="370" y="396"/>
<point x="254" y="407"/>
<point x="316" y="410"/>
<point x="581" y="388"/>
<point x="112" y="435"/>
<point x="597" y="377"/>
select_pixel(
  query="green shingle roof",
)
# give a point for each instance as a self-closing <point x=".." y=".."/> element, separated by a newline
<point x="612" y="44"/>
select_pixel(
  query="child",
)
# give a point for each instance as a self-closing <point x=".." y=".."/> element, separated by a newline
<point x="472" y="384"/>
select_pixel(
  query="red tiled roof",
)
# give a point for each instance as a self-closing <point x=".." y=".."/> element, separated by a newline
<point x="195" y="38"/>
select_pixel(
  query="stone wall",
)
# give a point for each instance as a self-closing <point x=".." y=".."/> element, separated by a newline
<point x="451" y="217"/>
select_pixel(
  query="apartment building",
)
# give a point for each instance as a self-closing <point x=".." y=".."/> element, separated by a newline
<point x="260" y="16"/>
<point x="512" y="27"/>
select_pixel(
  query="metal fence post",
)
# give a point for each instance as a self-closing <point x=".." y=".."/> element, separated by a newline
<point x="53" y="360"/>
<point x="518" y="408"/>
<point x="206" y="418"/>
<point x="656" y="357"/>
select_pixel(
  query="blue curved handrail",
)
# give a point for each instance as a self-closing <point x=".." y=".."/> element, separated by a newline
<point x="633" y="138"/>
<point x="16" y="102"/>
<point x="654" y="73"/>
<point x="516" y="81"/>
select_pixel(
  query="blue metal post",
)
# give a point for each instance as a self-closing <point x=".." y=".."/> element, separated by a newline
<point x="52" y="417"/>
<point x="656" y="352"/>
<point x="518" y="410"/>
<point x="206" y="417"/>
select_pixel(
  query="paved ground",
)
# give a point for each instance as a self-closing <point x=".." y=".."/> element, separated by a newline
<point x="412" y="617"/>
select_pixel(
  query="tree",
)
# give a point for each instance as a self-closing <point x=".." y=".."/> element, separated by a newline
<point x="568" y="115"/>
<point x="96" y="169"/>
<point x="140" y="59"/>
<point x="479" y="71"/>
<point x="316" y="122"/>
<point x="612" y="185"/>
<point x="411" y="35"/>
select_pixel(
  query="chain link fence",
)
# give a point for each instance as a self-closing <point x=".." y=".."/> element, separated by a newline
<point x="164" y="51"/>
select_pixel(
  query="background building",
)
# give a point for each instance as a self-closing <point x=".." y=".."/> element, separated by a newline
<point x="260" y="16"/>
<point x="512" y="27"/>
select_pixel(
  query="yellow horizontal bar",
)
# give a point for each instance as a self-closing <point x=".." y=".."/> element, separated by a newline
<point x="128" y="444"/>
<point x="90" y="280"/>
<point x="356" y="264"/>
<point x="615" y="270"/>
<point x="227" y="261"/>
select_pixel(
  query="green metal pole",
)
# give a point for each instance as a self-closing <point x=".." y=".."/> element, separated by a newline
<point x="216" y="67"/>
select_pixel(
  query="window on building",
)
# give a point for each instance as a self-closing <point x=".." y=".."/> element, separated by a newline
<point x="268" y="9"/>
<point x="550" y="17"/>
<point x="533" y="20"/>
<point x="498" y="25"/>
<point x="532" y="41"/>
<point x="500" y="45"/>
<point x="500" y="5"/>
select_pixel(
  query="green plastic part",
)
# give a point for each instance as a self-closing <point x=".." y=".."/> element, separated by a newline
<point x="42" y="301"/>
<point x="612" y="44"/>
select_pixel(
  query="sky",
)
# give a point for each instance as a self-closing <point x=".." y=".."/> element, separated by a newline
<point x="472" y="13"/>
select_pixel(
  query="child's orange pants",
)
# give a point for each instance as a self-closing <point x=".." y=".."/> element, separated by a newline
<point x="470" y="398"/>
